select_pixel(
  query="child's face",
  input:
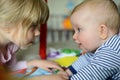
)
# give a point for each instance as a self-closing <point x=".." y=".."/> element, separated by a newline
<point x="86" y="31"/>
<point x="24" y="42"/>
<point x="31" y="34"/>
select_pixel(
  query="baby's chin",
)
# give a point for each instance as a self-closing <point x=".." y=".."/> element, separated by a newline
<point x="84" y="50"/>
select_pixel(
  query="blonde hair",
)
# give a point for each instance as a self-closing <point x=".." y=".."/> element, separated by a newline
<point x="106" y="11"/>
<point x="27" y="12"/>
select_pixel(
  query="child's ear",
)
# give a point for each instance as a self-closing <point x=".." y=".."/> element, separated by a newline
<point x="103" y="30"/>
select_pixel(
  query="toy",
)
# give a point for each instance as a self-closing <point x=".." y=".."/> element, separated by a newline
<point x="33" y="71"/>
<point x="64" y="57"/>
<point x="60" y="53"/>
<point x="66" y="61"/>
<point x="30" y="72"/>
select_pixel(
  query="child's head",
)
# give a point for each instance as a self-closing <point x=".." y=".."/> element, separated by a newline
<point x="94" y="22"/>
<point x="21" y="19"/>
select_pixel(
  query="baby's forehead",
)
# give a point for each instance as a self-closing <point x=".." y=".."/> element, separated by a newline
<point x="87" y="16"/>
<point x="100" y="11"/>
<point x="87" y="12"/>
<point x="95" y="6"/>
<point x="96" y="12"/>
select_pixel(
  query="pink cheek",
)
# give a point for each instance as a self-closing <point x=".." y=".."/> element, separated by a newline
<point x="79" y="38"/>
<point x="30" y="36"/>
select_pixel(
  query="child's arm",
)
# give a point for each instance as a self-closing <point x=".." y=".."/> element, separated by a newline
<point x="59" y="76"/>
<point x="45" y="64"/>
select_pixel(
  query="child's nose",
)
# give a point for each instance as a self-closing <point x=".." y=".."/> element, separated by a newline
<point x="37" y="32"/>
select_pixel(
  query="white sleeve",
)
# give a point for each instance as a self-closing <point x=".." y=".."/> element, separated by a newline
<point x="19" y="65"/>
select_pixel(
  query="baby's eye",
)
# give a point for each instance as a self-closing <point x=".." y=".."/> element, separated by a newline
<point x="78" y="30"/>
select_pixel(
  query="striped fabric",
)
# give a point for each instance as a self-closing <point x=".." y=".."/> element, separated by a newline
<point x="83" y="60"/>
<point x="104" y="64"/>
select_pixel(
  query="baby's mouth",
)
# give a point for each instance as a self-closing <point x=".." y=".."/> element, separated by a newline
<point x="79" y="45"/>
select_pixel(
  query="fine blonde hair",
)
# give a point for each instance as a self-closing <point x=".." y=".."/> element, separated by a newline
<point x="106" y="12"/>
<point x="27" y="12"/>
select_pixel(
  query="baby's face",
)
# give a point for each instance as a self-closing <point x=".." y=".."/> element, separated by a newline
<point x="86" y="30"/>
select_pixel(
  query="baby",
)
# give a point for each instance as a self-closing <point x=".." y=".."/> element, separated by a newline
<point x="96" y="24"/>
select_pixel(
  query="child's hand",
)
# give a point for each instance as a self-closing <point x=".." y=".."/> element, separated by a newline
<point x="50" y="77"/>
<point x="45" y="64"/>
<point x="55" y="77"/>
<point x="69" y="72"/>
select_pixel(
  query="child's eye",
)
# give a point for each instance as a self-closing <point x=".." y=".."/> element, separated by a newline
<point x="34" y="26"/>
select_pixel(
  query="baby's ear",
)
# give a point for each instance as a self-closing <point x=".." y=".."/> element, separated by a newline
<point x="103" y="30"/>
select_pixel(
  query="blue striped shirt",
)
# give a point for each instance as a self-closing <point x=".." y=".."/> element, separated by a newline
<point x="104" y="64"/>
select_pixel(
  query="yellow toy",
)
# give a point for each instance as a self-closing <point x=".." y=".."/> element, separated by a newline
<point x="66" y="61"/>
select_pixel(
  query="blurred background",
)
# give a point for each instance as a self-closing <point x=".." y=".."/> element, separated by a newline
<point x="59" y="29"/>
